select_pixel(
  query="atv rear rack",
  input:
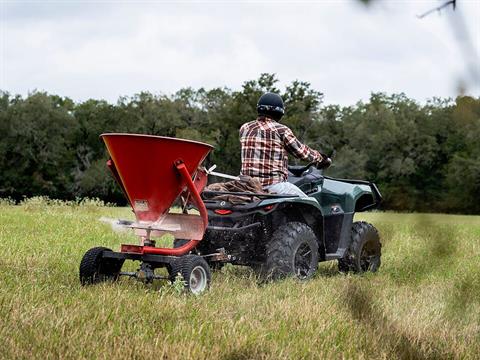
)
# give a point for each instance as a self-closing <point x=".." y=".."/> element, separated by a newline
<point x="210" y="193"/>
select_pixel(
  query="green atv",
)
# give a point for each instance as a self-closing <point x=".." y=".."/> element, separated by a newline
<point x="286" y="235"/>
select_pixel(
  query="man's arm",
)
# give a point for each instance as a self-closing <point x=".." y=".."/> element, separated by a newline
<point x="299" y="150"/>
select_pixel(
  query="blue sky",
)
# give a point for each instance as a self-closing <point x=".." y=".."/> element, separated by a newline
<point x="106" y="49"/>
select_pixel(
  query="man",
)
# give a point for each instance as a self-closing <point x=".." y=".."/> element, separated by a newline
<point x="266" y="144"/>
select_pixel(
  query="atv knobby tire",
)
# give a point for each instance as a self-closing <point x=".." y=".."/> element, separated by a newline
<point x="292" y="251"/>
<point x="365" y="249"/>
<point x="95" y="269"/>
<point x="194" y="271"/>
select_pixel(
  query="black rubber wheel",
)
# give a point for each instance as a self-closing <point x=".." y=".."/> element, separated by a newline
<point x="95" y="269"/>
<point x="292" y="251"/>
<point x="204" y="247"/>
<point x="195" y="272"/>
<point x="365" y="249"/>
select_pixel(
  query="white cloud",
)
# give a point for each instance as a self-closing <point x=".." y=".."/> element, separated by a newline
<point x="107" y="49"/>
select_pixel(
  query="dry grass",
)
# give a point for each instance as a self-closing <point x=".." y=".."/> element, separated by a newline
<point x="424" y="302"/>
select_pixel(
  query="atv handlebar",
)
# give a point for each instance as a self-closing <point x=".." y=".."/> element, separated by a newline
<point x="298" y="170"/>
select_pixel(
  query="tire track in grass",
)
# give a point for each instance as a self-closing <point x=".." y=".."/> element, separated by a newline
<point x="360" y="304"/>
<point x="435" y="246"/>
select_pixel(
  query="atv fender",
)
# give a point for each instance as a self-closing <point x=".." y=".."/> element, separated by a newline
<point x="305" y="210"/>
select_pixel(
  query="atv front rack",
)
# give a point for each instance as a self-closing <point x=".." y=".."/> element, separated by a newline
<point x="377" y="197"/>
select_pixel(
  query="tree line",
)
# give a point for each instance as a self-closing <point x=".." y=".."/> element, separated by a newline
<point x="424" y="157"/>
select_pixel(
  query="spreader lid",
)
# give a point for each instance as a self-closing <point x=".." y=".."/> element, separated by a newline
<point x="146" y="169"/>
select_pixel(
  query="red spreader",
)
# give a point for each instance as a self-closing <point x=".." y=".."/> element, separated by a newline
<point x="153" y="171"/>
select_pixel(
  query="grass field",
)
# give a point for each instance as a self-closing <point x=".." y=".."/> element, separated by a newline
<point x="423" y="303"/>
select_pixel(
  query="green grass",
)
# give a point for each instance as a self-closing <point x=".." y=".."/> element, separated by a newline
<point x="423" y="303"/>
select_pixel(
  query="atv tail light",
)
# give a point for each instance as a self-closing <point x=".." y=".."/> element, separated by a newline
<point x="223" y="211"/>
<point x="268" y="207"/>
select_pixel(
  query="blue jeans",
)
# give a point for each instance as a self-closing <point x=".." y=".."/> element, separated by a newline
<point x="286" y="188"/>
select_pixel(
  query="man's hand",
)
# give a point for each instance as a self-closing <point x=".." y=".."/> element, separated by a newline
<point x="324" y="163"/>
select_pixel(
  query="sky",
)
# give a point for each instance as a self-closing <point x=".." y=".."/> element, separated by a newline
<point x="107" y="49"/>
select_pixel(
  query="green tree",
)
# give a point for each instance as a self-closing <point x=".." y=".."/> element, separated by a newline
<point x="36" y="151"/>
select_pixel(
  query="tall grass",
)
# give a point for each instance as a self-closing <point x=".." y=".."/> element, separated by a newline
<point x="423" y="303"/>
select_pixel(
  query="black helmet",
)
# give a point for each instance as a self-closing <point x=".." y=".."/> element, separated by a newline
<point x="271" y="105"/>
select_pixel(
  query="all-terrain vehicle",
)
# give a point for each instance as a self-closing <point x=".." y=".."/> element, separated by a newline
<point x="277" y="235"/>
<point x="282" y="235"/>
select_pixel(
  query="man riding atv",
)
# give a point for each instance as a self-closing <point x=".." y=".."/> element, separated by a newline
<point x="305" y="217"/>
<point x="266" y="144"/>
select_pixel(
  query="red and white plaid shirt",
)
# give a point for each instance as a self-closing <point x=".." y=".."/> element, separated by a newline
<point x="265" y="147"/>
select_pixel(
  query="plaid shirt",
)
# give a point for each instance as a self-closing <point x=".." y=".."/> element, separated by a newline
<point x="265" y="144"/>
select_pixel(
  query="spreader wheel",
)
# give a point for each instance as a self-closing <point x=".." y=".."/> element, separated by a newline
<point x="95" y="269"/>
<point x="195" y="273"/>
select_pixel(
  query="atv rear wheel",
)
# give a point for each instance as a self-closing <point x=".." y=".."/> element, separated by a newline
<point x="292" y="251"/>
<point x="95" y="269"/>
<point x="194" y="271"/>
<point x="365" y="250"/>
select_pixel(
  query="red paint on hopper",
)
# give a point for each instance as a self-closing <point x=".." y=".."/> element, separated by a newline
<point x="147" y="169"/>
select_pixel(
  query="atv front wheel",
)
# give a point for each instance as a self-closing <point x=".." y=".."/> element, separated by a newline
<point x="194" y="271"/>
<point x="292" y="251"/>
<point x="95" y="269"/>
<point x="365" y="249"/>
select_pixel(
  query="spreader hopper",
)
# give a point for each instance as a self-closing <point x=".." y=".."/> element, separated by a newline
<point x="153" y="171"/>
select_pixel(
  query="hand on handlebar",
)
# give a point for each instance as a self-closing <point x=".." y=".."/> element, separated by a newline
<point x="324" y="163"/>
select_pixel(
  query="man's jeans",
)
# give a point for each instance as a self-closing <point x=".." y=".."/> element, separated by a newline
<point x="287" y="189"/>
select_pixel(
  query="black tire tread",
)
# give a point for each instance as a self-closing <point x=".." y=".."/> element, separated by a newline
<point x="281" y="247"/>
<point x="184" y="266"/>
<point x="93" y="268"/>
<point x="360" y="230"/>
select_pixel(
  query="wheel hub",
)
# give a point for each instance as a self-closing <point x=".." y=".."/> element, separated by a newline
<point x="198" y="280"/>
<point x="303" y="259"/>
<point x="367" y="256"/>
